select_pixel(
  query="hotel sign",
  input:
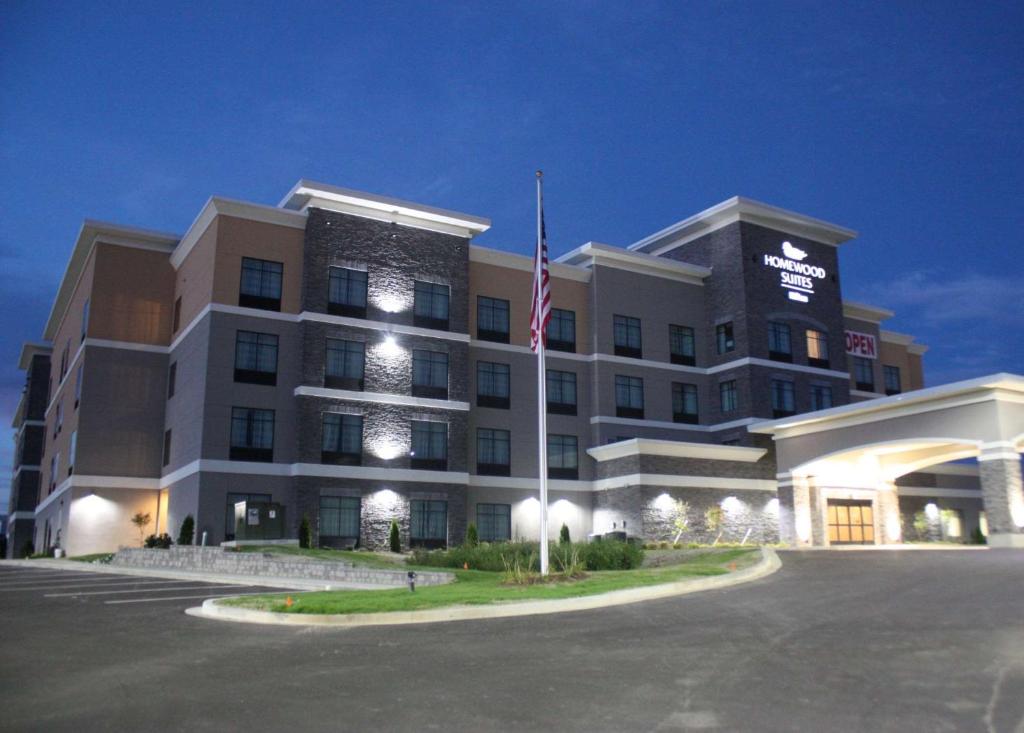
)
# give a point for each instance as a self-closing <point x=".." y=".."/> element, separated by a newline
<point x="795" y="275"/>
<point x="861" y="344"/>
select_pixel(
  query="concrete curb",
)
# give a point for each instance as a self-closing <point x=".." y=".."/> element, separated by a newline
<point x="768" y="564"/>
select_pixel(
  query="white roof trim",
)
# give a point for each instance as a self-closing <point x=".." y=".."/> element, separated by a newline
<point x="675" y="449"/>
<point x="30" y="349"/>
<point x="864" y="312"/>
<point x="595" y="253"/>
<point x="513" y="261"/>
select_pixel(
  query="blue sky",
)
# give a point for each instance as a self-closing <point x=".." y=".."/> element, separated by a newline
<point x="900" y="120"/>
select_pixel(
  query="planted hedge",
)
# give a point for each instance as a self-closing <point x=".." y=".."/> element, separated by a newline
<point x="605" y="555"/>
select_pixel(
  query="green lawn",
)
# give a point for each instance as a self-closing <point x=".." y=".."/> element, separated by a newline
<point x="104" y="556"/>
<point x="369" y="559"/>
<point x="474" y="587"/>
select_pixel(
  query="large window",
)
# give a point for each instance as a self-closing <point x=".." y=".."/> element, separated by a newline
<point x="255" y="357"/>
<point x="339" y="518"/>
<point x="261" y="284"/>
<point x="724" y="339"/>
<point x="342" y="442"/>
<point x="492" y="385"/>
<point x="563" y="457"/>
<point x="428" y="523"/>
<point x="864" y="374"/>
<point x="229" y="511"/>
<point x="429" y="445"/>
<point x="783" y="398"/>
<point x="629" y="396"/>
<point x="252" y="434"/>
<point x="430" y="305"/>
<point x="561" y="392"/>
<point x="494" y="522"/>
<point x="430" y="374"/>
<point x="821" y="397"/>
<point x="562" y="330"/>
<point x="345" y="364"/>
<point x="492" y="319"/>
<point x="346" y="292"/>
<point x="727" y="395"/>
<point x="684" y="403"/>
<point x="493" y="452"/>
<point x="892" y="379"/>
<point x="627" y="337"/>
<point x="681" y="345"/>
<point x="817" y="348"/>
<point x="780" y="347"/>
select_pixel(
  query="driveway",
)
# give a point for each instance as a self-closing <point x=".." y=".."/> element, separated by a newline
<point x="845" y="641"/>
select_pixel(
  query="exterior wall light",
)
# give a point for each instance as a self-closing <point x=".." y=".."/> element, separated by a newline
<point x="664" y="503"/>
<point x="389" y="346"/>
<point x="731" y="505"/>
<point x="931" y="511"/>
<point x="772" y="507"/>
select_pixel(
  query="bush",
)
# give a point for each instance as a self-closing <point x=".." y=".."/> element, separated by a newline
<point x="187" y="531"/>
<point x="977" y="538"/>
<point x="158" y="541"/>
<point x="394" y="538"/>
<point x="305" y="534"/>
<point x="563" y="536"/>
<point x="472" y="539"/>
<point x="498" y="557"/>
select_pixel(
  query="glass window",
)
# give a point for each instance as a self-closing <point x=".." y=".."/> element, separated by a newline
<point x="492" y="319"/>
<point x="346" y="292"/>
<point x="821" y="397"/>
<point x="172" y="378"/>
<point x="429" y="374"/>
<point x="561" y="392"/>
<point x="430" y="305"/>
<point x="494" y="522"/>
<point x="783" y="398"/>
<point x="493" y="452"/>
<point x="255" y="357"/>
<point x="252" y="434"/>
<point x="562" y="330"/>
<point x="563" y="456"/>
<point x="261" y="284"/>
<point x="629" y="396"/>
<point x="73" y="449"/>
<point x="229" y="514"/>
<point x="864" y="374"/>
<point x="64" y="360"/>
<point x="85" y="319"/>
<point x="492" y="384"/>
<point x="339" y="516"/>
<point x="428" y="522"/>
<point x="429" y="445"/>
<point x="345" y="364"/>
<point x="167" y="447"/>
<point x="176" y="319"/>
<point x="817" y="348"/>
<point x="81" y="371"/>
<point x="892" y="379"/>
<point x="627" y="336"/>
<point x="681" y="345"/>
<point x="779" y="346"/>
<point x="684" y="403"/>
<point x="724" y="338"/>
<point x="342" y="441"/>
<point x="727" y="393"/>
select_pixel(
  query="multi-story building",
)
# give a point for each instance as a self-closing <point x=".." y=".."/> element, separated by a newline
<point x="358" y="360"/>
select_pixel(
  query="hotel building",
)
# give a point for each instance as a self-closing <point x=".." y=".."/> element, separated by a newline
<point x="357" y="360"/>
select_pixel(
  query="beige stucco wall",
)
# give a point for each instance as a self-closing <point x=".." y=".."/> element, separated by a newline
<point x="194" y="278"/>
<point x="238" y="238"/>
<point x="132" y="295"/>
<point x="101" y="519"/>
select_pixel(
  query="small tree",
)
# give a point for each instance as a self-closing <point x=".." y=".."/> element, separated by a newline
<point x="394" y="539"/>
<point x="713" y="521"/>
<point x="141" y="520"/>
<point x="472" y="539"/>
<point x="563" y="535"/>
<point x="682" y="519"/>
<point x="187" y="531"/>
<point x="305" y="534"/>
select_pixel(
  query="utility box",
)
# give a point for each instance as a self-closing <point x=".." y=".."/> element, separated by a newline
<point x="259" y="520"/>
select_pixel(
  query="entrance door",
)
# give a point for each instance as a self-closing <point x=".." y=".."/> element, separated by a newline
<point x="850" y="522"/>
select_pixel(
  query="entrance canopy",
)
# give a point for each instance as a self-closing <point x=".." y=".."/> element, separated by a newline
<point x="862" y="448"/>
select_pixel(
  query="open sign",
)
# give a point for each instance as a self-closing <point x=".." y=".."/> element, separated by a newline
<point x="861" y="344"/>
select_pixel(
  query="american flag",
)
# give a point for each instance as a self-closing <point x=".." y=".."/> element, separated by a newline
<point x="538" y="326"/>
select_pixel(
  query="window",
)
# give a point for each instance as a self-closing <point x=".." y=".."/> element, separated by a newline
<point x="345" y="364"/>
<point x="724" y="338"/>
<point x="494" y="522"/>
<point x="492" y="385"/>
<point x="817" y="348"/>
<point x="863" y="374"/>
<point x="779" y="346"/>
<point x="561" y="392"/>
<point x="892" y="379"/>
<point x="493" y="452"/>
<point x="428" y="523"/>
<point x="346" y="292"/>
<point x="252" y="434"/>
<point x="727" y="394"/>
<point x="629" y="397"/>
<point x="429" y="374"/>
<point x="783" y="398"/>
<point x="563" y="457"/>
<point x="342" y="441"/>
<point x="172" y="380"/>
<point x="821" y="397"/>
<point x="681" y="345"/>
<point x="78" y="384"/>
<point x="64" y="360"/>
<point x="73" y="450"/>
<point x="229" y="514"/>
<point x="261" y="284"/>
<point x="58" y="424"/>
<point x="684" y="403"/>
<point x="430" y="305"/>
<point x="255" y="357"/>
<point x="176" y="319"/>
<point x="167" y="447"/>
<point x="627" y="337"/>
<point x="85" y="320"/>
<point x="339" y="517"/>
<point x="562" y="330"/>
<point x="54" y="465"/>
<point x="492" y="319"/>
<point x="429" y="445"/>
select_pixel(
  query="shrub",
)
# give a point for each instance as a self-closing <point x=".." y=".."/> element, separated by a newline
<point x="977" y="538"/>
<point x="394" y="538"/>
<point x="471" y="536"/>
<point x="141" y="520"/>
<point x="305" y="534"/>
<point x="158" y="541"/>
<point x="499" y="557"/>
<point x="563" y="536"/>
<point x="187" y="531"/>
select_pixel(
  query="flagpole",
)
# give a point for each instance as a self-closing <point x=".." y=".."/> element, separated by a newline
<point x="542" y="408"/>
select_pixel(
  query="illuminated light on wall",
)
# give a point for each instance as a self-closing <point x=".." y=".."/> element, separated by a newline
<point x="803" y="526"/>
<point x="931" y="511"/>
<point x="390" y="303"/>
<point x="389" y="346"/>
<point x="387" y="450"/>
<point x="1017" y="511"/>
<point x="893" y="528"/>
<point x="732" y="505"/>
<point x="385" y="498"/>
<point x="772" y="507"/>
<point x="664" y="503"/>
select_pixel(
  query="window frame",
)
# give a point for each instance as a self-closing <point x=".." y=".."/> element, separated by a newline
<point x="889" y="370"/>
<point x="780" y="341"/>
<point x="494" y="307"/>
<point x="340" y="308"/>
<point x="428" y="511"/>
<point x="563" y="472"/>
<point x="725" y="338"/>
<point x="341" y="509"/>
<point x="340" y="457"/>
<point x="260" y="300"/>
<point x="628" y="325"/>
<point x="495" y="401"/>
<point x="729" y="389"/>
<point x="257" y="376"/>
<point x="560" y="344"/>
<point x="433" y="360"/>
<point x="629" y="386"/>
<point x="429" y="463"/>
<point x="820" y="339"/>
<point x="505" y="517"/>
<point x="561" y="407"/>
<point x="682" y="335"/>
<point x="421" y="287"/>
<point x="781" y="390"/>
<point x="861" y="363"/>
<point x="495" y="437"/>
<point x="249" y="452"/>
<point x="344" y="381"/>
<point x="684" y="389"/>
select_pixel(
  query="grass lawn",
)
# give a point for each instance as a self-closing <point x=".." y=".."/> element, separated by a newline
<point x="105" y="556"/>
<point x="369" y="559"/>
<point x="475" y="587"/>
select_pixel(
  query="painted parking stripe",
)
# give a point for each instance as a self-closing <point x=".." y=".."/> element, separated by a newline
<point x="105" y="582"/>
<point x="180" y="598"/>
<point x="34" y="575"/>
<point x="137" y="590"/>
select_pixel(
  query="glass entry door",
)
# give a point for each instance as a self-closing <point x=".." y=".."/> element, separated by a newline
<point x="850" y="522"/>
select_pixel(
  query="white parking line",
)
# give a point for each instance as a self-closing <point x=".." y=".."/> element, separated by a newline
<point x="137" y="590"/>
<point x="45" y="576"/>
<point x="181" y="598"/>
<point x="98" y="582"/>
